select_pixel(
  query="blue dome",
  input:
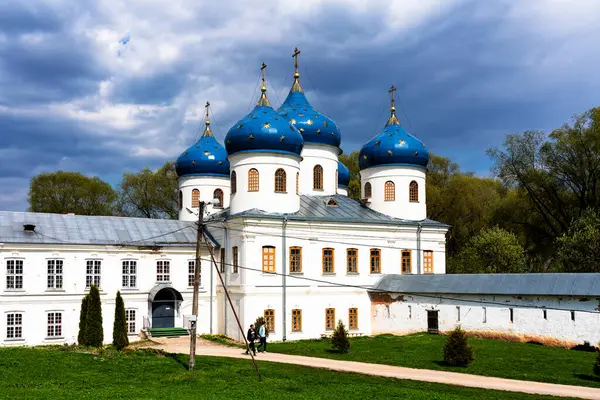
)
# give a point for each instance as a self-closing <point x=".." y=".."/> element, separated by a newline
<point x="314" y="126"/>
<point x="343" y="174"/>
<point x="263" y="130"/>
<point x="207" y="157"/>
<point x="393" y="146"/>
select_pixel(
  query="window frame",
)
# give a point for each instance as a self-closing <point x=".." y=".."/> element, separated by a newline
<point x="195" y="198"/>
<point x="233" y="182"/>
<point x="296" y="320"/>
<point x="269" y="316"/>
<point x="14" y="330"/>
<point x="131" y="325"/>
<point x="165" y="266"/>
<point x="428" y="261"/>
<point x="295" y="259"/>
<point x="325" y="257"/>
<point x="222" y="256"/>
<point x="253" y="180"/>
<point x="389" y="191"/>
<point x="318" y="177"/>
<point x="404" y="258"/>
<point x="353" y="318"/>
<point x="235" y="260"/>
<point x="368" y="190"/>
<point x="266" y="267"/>
<point x="375" y="261"/>
<point x="413" y="192"/>
<point x="57" y="277"/>
<point x="15" y="273"/>
<point x="180" y="200"/>
<point x="350" y="257"/>
<point x="127" y="276"/>
<point x="218" y="194"/>
<point x="192" y="273"/>
<point x="330" y="319"/>
<point x="54" y="328"/>
<point x="280" y="181"/>
<point x="93" y="273"/>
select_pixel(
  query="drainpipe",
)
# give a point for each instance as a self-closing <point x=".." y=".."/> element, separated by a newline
<point x="419" y="227"/>
<point x="225" y="243"/>
<point x="210" y="311"/>
<point x="283" y="275"/>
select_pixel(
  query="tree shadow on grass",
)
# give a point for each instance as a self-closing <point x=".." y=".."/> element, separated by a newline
<point x="179" y="359"/>
<point x="446" y="365"/>
<point x="587" y="377"/>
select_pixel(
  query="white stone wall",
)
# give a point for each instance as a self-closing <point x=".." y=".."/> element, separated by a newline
<point x="401" y="314"/>
<point x="343" y="190"/>
<point x="207" y="186"/>
<point x="401" y="207"/>
<point x="325" y="156"/>
<point x="35" y="300"/>
<point x="265" y="198"/>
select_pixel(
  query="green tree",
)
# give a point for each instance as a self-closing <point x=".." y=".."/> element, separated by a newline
<point x="70" y="192"/>
<point x="81" y="337"/>
<point x="351" y="162"/>
<point x="597" y="363"/>
<point x="457" y="350"/>
<point x="94" y="331"/>
<point x="493" y="250"/>
<point x="339" y="339"/>
<point x="150" y="194"/>
<point x="578" y="250"/>
<point x="120" y="339"/>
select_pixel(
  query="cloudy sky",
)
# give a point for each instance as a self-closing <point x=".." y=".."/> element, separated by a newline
<point x="108" y="86"/>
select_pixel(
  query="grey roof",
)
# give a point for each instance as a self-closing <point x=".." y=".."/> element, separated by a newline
<point x="508" y="284"/>
<point x="315" y="208"/>
<point x="98" y="230"/>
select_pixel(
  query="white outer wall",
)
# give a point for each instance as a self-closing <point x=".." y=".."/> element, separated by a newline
<point x="254" y="291"/>
<point x="343" y="190"/>
<point x="327" y="157"/>
<point x="401" y="176"/>
<point x="35" y="301"/>
<point x="265" y="199"/>
<point x="394" y="317"/>
<point x="207" y="186"/>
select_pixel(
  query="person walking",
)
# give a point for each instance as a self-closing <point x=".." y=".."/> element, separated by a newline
<point x="262" y="337"/>
<point x="251" y="336"/>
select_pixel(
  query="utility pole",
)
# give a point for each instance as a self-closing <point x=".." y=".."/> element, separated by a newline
<point x="194" y="316"/>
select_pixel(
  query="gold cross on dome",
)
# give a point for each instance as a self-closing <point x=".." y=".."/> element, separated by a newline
<point x="393" y="92"/>
<point x="295" y="55"/>
<point x="206" y="106"/>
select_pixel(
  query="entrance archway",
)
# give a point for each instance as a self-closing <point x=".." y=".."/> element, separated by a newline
<point x="164" y="301"/>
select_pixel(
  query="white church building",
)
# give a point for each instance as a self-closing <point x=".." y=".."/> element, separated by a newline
<point x="292" y="247"/>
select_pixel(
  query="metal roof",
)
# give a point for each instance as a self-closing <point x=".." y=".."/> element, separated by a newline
<point x="96" y="230"/>
<point x="315" y="208"/>
<point x="554" y="284"/>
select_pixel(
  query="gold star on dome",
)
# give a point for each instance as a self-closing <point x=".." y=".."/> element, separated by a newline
<point x="377" y="143"/>
<point x="193" y="162"/>
<point x="206" y="153"/>
<point x="267" y="125"/>
<point x="402" y="142"/>
<point x="240" y="126"/>
<point x="365" y="156"/>
<point x="292" y="121"/>
<point x="301" y="115"/>
<point x="250" y="137"/>
<point x="318" y="131"/>
<point x="309" y="122"/>
<point x="332" y="134"/>
<point x="282" y="138"/>
<point x="301" y="129"/>
<point x="390" y="152"/>
<point x="325" y="123"/>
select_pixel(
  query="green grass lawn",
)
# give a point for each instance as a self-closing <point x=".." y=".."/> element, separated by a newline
<point x="51" y="373"/>
<point x="492" y="357"/>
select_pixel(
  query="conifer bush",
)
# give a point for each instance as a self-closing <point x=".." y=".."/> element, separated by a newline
<point x="597" y="363"/>
<point x="81" y="338"/>
<point x="457" y="350"/>
<point x="94" y="333"/>
<point x="339" y="340"/>
<point x="120" y="339"/>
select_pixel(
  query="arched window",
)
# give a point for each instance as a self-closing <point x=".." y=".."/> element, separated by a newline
<point x="297" y="182"/>
<point x="218" y="194"/>
<point x="413" y="192"/>
<point x="195" y="198"/>
<point x="180" y="200"/>
<point x="253" y="180"/>
<point x="318" y="177"/>
<point x="280" y="181"/>
<point x="389" y="191"/>
<point x="233" y="182"/>
<point x="367" y="190"/>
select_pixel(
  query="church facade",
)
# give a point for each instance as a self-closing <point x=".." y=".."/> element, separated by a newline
<point x="288" y="242"/>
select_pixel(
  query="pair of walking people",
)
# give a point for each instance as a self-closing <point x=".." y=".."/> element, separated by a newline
<point x="252" y="335"/>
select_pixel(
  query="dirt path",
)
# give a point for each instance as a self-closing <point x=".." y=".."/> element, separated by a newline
<point x="207" y="348"/>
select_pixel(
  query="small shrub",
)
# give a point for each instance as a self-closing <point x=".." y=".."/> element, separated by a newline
<point x="83" y="321"/>
<point x="586" y="346"/>
<point x="94" y="332"/>
<point x="120" y="339"/>
<point x="339" y="339"/>
<point x="457" y="350"/>
<point x="597" y="363"/>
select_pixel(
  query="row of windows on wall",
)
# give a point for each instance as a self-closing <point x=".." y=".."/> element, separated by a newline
<point x="217" y="194"/>
<point x="54" y="324"/>
<point x="511" y="314"/>
<point x="389" y="191"/>
<point x="280" y="178"/>
<point x="93" y="273"/>
<point x="269" y="316"/>
<point x="328" y="260"/>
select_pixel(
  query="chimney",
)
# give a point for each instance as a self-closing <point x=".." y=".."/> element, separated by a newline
<point x="29" y="228"/>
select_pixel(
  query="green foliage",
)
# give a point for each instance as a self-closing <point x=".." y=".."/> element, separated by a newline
<point x="260" y="321"/>
<point x="351" y="162"/>
<point x="120" y="339"/>
<point x="457" y="351"/>
<point x="81" y="337"/>
<point x="150" y="194"/>
<point x="94" y="332"/>
<point x="578" y="250"/>
<point x="339" y="339"/>
<point x="493" y="250"/>
<point x="597" y="362"/>
<point x="70" y="192"/>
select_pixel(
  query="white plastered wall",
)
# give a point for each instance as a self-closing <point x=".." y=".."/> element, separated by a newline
<point x="207" y="186"/>
<point x="325" y="156"/>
